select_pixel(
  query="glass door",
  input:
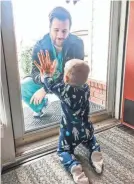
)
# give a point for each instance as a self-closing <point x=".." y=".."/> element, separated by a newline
<point x="25" y="23"/>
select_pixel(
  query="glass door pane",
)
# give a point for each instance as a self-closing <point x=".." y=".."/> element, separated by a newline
<point x="30" y="28"/>
<point x="31" y="23"/>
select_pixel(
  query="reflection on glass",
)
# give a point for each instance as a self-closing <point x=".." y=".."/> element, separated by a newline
<point x="63" y="32"/>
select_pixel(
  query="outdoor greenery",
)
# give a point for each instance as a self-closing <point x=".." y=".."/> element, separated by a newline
<point x="25" y="60"/>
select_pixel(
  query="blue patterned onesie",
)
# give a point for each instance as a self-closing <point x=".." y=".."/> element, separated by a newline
<point x="74" y="127"/>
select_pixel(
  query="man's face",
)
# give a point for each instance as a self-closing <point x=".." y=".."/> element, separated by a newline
<point x="59" y="31"/>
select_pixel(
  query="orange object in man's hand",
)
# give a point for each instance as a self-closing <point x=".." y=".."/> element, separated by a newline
<point x="46" y="65"/>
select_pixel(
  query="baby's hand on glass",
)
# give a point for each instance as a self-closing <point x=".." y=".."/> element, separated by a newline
<point x="46" y="65"/>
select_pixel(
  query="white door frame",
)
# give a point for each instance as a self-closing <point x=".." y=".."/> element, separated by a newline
<point x="7" y="137"/>
<point x="121" y="58"/>
<point x="9" y="44"/>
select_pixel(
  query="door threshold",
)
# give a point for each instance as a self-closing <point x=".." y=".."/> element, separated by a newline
<point x="40" y="148"/>
<point x="49" y="131"/>
<point x="47" y="142"/>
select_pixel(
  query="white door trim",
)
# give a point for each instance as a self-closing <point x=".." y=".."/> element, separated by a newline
<point x="121" y="58"/>
<point x="7" y="139"/>
<point x="9" y="45"/>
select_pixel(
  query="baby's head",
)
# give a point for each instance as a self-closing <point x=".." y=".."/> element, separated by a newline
<point x="76" y="72"/>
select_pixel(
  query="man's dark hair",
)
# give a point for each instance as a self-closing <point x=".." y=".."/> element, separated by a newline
<point x="61" y="14"/>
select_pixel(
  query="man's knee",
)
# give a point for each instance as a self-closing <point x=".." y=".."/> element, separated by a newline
<point x="28" y="87"/>
<point x="26" y="82"/>
<point x="24" y="87"/>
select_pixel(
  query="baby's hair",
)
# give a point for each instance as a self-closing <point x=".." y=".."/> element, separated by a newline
<point x="77" y="70"/>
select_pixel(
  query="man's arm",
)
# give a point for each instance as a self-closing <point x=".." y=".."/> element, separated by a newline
<point x="77" y="47"/>
<point x="79" y="50"/>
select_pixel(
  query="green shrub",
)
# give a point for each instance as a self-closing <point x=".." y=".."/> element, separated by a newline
<point x="25" y="60"/>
